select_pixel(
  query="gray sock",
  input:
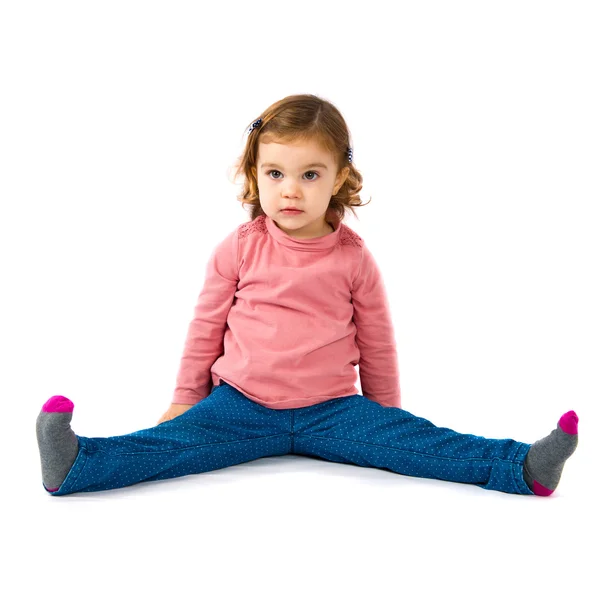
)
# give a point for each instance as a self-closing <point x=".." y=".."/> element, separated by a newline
<point x="57" y="442"/>
<point x="546" y="458"/>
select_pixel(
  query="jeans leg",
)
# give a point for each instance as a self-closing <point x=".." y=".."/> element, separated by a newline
<point x="223" y="429"/>
<point x="357" y="430"/>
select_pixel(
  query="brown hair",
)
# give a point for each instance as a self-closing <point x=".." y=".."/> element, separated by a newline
<point x="301" y="117"/>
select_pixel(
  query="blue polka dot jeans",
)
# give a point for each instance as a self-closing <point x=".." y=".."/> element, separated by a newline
<point x="226" y="428"/>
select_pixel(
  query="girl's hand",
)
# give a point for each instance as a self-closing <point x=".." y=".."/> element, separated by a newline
<point x="174" y="411"/>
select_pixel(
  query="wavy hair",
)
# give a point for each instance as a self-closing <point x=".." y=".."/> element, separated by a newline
<point x="301" y="117"/>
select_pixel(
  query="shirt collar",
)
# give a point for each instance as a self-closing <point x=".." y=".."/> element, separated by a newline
<point x="319" y="243"/>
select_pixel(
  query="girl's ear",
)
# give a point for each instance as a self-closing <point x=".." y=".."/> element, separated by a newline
<point x="342" y="176"/>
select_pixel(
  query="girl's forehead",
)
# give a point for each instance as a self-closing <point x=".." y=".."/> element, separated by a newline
<point x="269" y="148"/>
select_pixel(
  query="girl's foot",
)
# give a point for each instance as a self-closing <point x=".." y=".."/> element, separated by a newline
<point x="58" y="444"/>
<point x="546" y="458"/>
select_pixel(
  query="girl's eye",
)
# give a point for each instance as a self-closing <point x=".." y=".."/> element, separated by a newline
<point x="311" y="179"/>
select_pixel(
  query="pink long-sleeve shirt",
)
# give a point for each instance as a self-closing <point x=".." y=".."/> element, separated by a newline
<point x="285" y="321"/>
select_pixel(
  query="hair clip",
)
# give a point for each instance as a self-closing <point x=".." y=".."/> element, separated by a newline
<point x="254" y="125"/>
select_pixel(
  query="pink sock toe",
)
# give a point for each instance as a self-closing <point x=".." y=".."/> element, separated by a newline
<point x="540" y="490"/>
<point x="58" y="404"/>
<point x="569" y="422"/>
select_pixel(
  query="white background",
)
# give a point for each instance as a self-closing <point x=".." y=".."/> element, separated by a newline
<point x="475" y="126"/>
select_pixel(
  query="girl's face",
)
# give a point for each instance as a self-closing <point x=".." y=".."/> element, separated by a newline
<point x="287" y="175"/>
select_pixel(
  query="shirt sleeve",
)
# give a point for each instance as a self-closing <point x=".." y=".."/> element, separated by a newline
<point x="206" y="331"/>
<point x="378" y="362"/>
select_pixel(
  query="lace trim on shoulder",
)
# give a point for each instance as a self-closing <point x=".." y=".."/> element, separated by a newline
<point x="257" y="225"/>
<point x="348" y="237"/>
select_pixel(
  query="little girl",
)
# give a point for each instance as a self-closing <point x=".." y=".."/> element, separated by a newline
<point x="292" y="301"/>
